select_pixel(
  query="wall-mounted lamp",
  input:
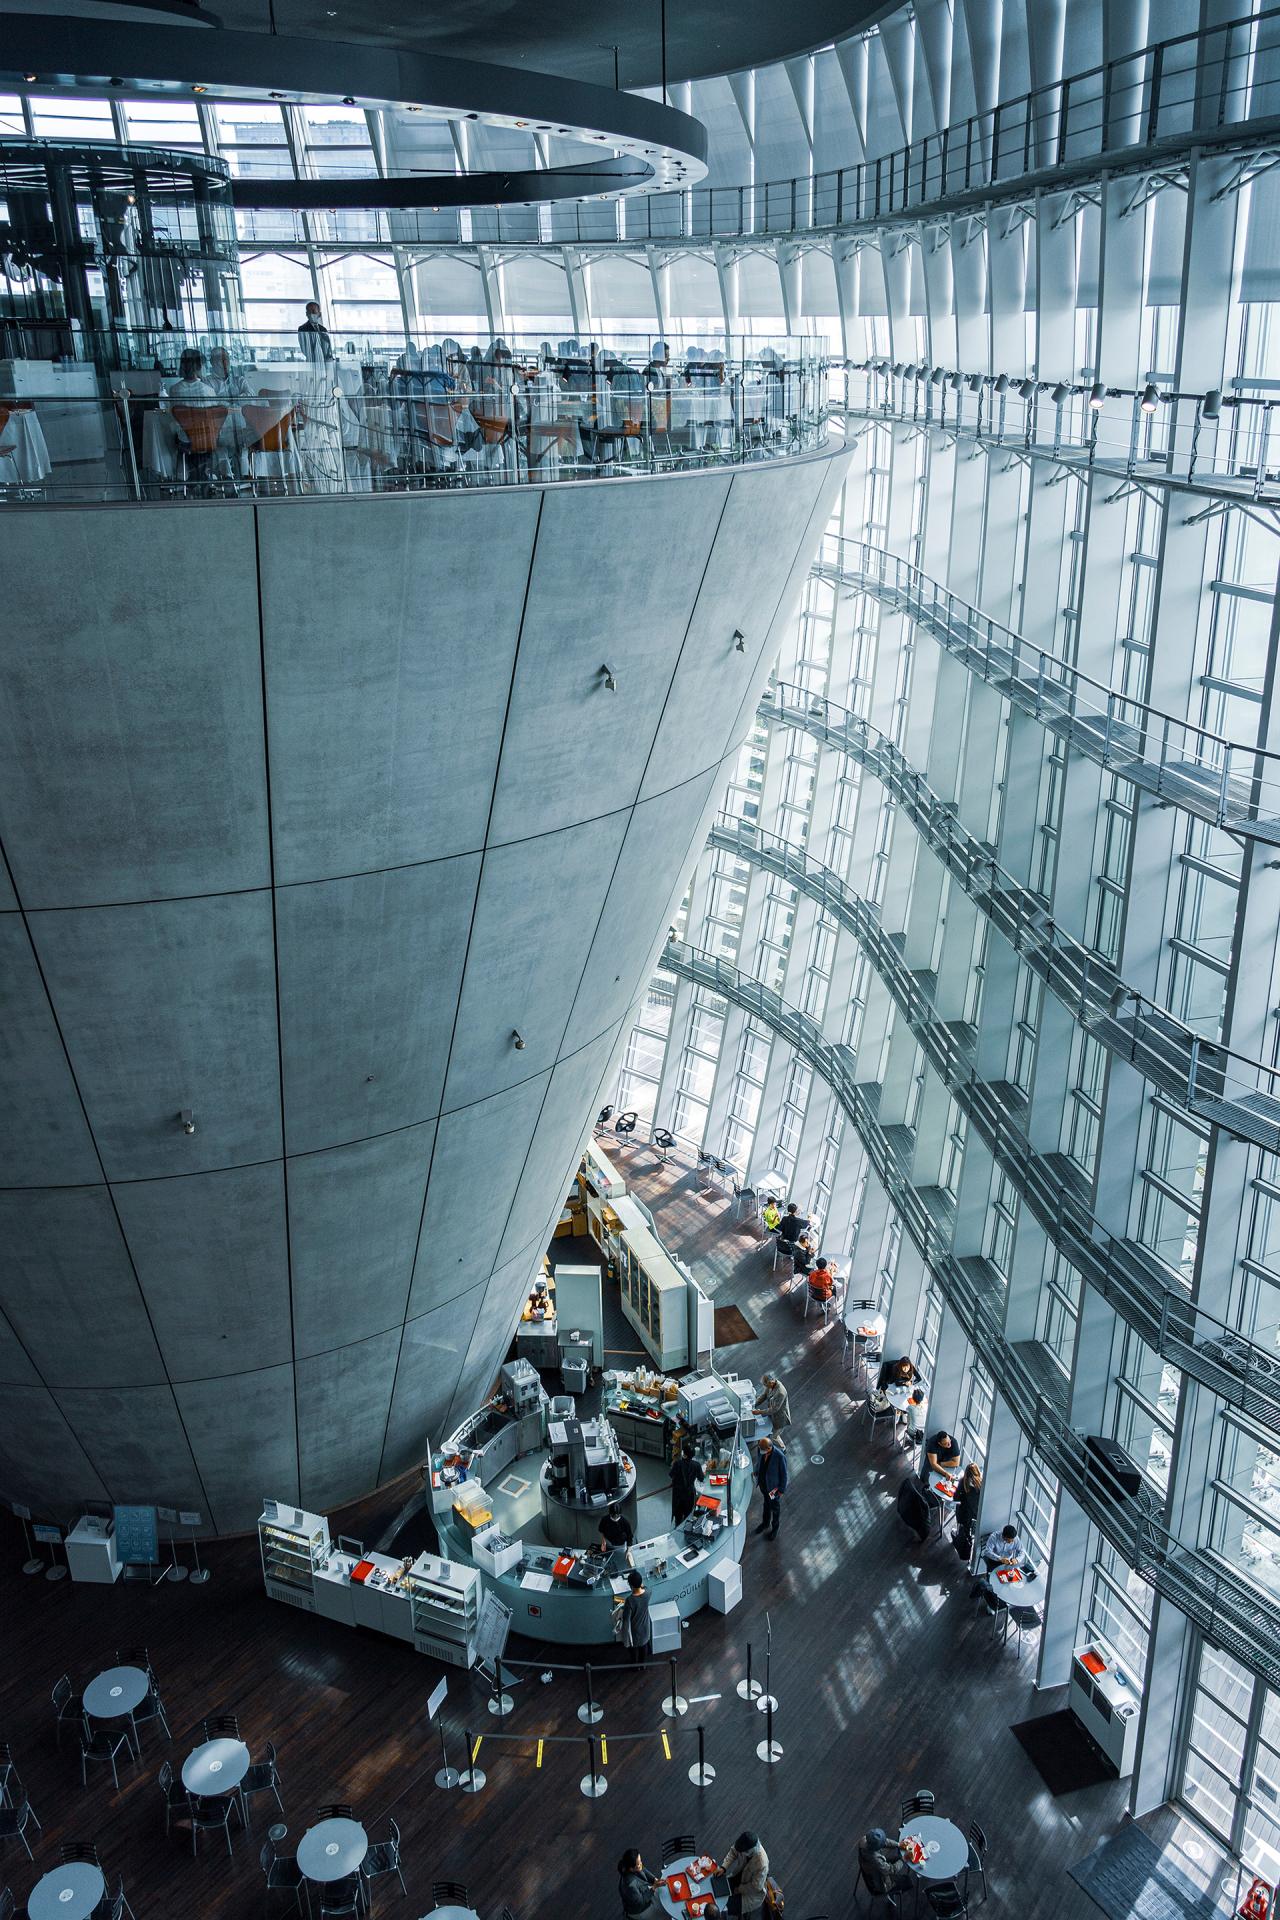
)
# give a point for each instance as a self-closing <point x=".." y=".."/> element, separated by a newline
<point x="187" y="1120"/>
<point x="1002" y="383"/>
<point x="1211" y="405"/>
<point x="609" y="677"/>
<point x="517" y="1040"/>
<point x="1025" y="389"/>
<point x="1150" y="398"/>
<point x="739" y="641"/>
<point x="1060" y="393"/>
<point x="1097" y="396"/>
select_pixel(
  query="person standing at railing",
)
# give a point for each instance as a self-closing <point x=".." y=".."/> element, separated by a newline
<point x="313" y="336"/>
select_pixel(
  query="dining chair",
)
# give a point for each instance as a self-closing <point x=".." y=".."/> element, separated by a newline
<point x="922" y="1802"/>
<point x="384" y="1857"/>
<point x="340" y="1897"/>
<point x="679" y="1847"/>
<point x="68" y="1707"/>
<point x="8" y="1905"/>
<point x="175" y="1794"/>
<point x="220" y="1726"/>
<point x="337" y="1811"/>
<point x="945" y="1900"/>
<point x="449" y="1893"/>
<point x="977" y="1861"/>
<point x="263" y="1777"/>
<point x="282" y="1874"/>
<point x="211" y="1816"/>
<point x="119" y="1905"/>
<point x="85" y="1850"/>
<point x="14" y="1821"/>
<point x="104" y="1743"/>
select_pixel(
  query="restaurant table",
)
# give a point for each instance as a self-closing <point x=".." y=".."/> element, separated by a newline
<point x="1016" y="1594"/>
<point x="332" y="1849"/>
<point x="669" y="1904"/>
<point x="451" y="1913"/>
<point x="899" y="1396"/>
<point x="946" y="1848"/>
<point x="23" y="450"/>
<point x="216" y="1767"/>
<point x="69" y="1892"/>
<point x="115" y="1693"/>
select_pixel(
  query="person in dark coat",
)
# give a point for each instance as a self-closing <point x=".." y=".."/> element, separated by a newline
<point x="968" y="1503"/>
<point x="635" y="1886"/>
<point x="685" y="1476"/>
<point x="771" y="1478"/>
<point x="880" y="1862"/>
<point x="637" y="1626"/>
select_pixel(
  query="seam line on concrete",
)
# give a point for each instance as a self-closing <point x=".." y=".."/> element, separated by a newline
<point x="275" y="961"/>
<point x="457" y="1005"/>
<point x="372" y="873"/>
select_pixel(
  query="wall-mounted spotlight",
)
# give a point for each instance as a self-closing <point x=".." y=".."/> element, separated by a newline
<point x="1150" y="398"/>
<point x="937" y="377"/>
<point x="517" y="1040"/>
<point x="187" y="1120"/>
<point x="974" y="383"/>
<point x="1097" y="396"/>
<point x="1060" y="393"/>
<point x="898" y="369"/>
<point x="955" y="382"/>
<point x="1002" y="383"/>
<point x="609" y="677"/>
<point x="1026" y="388"/>
<point x="739" y="641"/>
<point x="1211" y="405"/>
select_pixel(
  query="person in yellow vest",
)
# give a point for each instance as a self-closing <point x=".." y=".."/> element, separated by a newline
<point x="772" y="1215"/>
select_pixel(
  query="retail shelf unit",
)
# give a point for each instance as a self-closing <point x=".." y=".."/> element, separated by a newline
<point x="446" y="1609"/>
<point x="293" y="1544"/>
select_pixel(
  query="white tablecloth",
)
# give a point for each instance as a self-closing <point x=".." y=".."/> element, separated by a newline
<point x="23" y="453"/>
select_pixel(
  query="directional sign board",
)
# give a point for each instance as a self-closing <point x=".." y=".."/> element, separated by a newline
<point x="137" y="1539"/>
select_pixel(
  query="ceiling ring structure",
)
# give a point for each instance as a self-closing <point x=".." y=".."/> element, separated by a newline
<point x="648" y="146"/>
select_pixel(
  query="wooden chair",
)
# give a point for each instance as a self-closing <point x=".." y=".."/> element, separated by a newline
<point x="200" y="428"/>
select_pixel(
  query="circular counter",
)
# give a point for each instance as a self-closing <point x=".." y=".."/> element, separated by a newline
<point x="576" y="1523"/>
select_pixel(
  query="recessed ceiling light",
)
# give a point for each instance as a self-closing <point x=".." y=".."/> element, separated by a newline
<point x="199" y="89"/>
<point x="30" y="78"/>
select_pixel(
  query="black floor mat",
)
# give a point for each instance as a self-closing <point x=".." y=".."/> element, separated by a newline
<point x="1062" y="1752"/>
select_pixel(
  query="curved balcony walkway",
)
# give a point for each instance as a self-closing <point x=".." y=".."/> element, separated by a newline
<point x="1225" y="1088"/>
<point x="1231" y="785"/>
<point x="1235" y="1616"/>
<point x="1122" y="1271"/>
<point x="1230" y="455"/>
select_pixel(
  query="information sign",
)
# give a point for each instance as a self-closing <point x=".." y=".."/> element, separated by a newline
<point x="137" y="1540"/>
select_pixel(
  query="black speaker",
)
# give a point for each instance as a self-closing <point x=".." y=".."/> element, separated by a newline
<point x="1109" y="1469"/>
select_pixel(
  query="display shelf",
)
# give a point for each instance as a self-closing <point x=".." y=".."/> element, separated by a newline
<point x="445" y="1598"/>
<point x="292" y="1545"/>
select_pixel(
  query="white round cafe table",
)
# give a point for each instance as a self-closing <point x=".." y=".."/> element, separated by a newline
<point x="899" y="1396"/>
<point x="946" y="1849"/>
<point x="661" y="1892"/>
<point x="1016" y="1593"/>
<point x="216" y="1767"/>
<point x="332" y="1849"/>
<point x="115" y="1693"/>
<point x="69" y="1892"/>
<point x="452" y="1913"/>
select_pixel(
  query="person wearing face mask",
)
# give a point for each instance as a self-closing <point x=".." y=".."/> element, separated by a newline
<point x="313" y="336"/>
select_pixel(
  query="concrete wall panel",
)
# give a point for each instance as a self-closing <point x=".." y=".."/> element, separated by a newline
<point x="334" y="1260"/>
<point x="70" y="1292"/>
<point x="166" y="1007"/>
<point x="41" y="1456"/>
<point x="609" y="584"/>
<point x="49" y="1143"/>
<point x="131" y="752"/>
<point x="242" y="1434"/>
<point x="426" y="1379"/>
<point x="342" y="1418"/>
<point x="536" y="917"/>
<point x="465" y="1215"/>
<point x="134" y="1438"/>
<point x="390" y="634"/>
<point x="210" y="1253"/>
<point x="369" y="972"/>
<point x="354" y="1214"/>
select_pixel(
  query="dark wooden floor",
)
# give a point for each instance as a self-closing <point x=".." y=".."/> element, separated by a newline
<point x="886" y="1681"/>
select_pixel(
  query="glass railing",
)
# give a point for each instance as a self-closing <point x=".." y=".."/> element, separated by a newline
<point x="1206" y="87"/>
<point x="1231" y="783"/>
<point x="258" y="427"/>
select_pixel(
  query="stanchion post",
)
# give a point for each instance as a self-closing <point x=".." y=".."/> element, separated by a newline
<point x="674" y="1704"/>
<point x="702" y="1775"/>
<point x="448" y="1776"/>
<point x="471" y="1778"/>
<point x="765" y="1702"/>
<point x="500" y="1703"/>
<point x="199" y="1574"/>
<point x="749" y="1689"/>
<point x="590" y="1711"/>
<point x="768" y="1750"/>
<point x="593" y="1784"/>
<point x="33" y="1562"/>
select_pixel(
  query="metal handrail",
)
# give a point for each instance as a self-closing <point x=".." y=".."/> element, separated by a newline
<point x="1225" y="445"/>
<point x="1233" y="784"/>
<point x="1192" y="87"/>
<point x="1224" y="1358"/>
<point x="1237" y="1617"/>
<point x="1211" y="1081"/>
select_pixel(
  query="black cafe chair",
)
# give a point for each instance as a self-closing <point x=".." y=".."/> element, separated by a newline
<point x="679" y="1847"/>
